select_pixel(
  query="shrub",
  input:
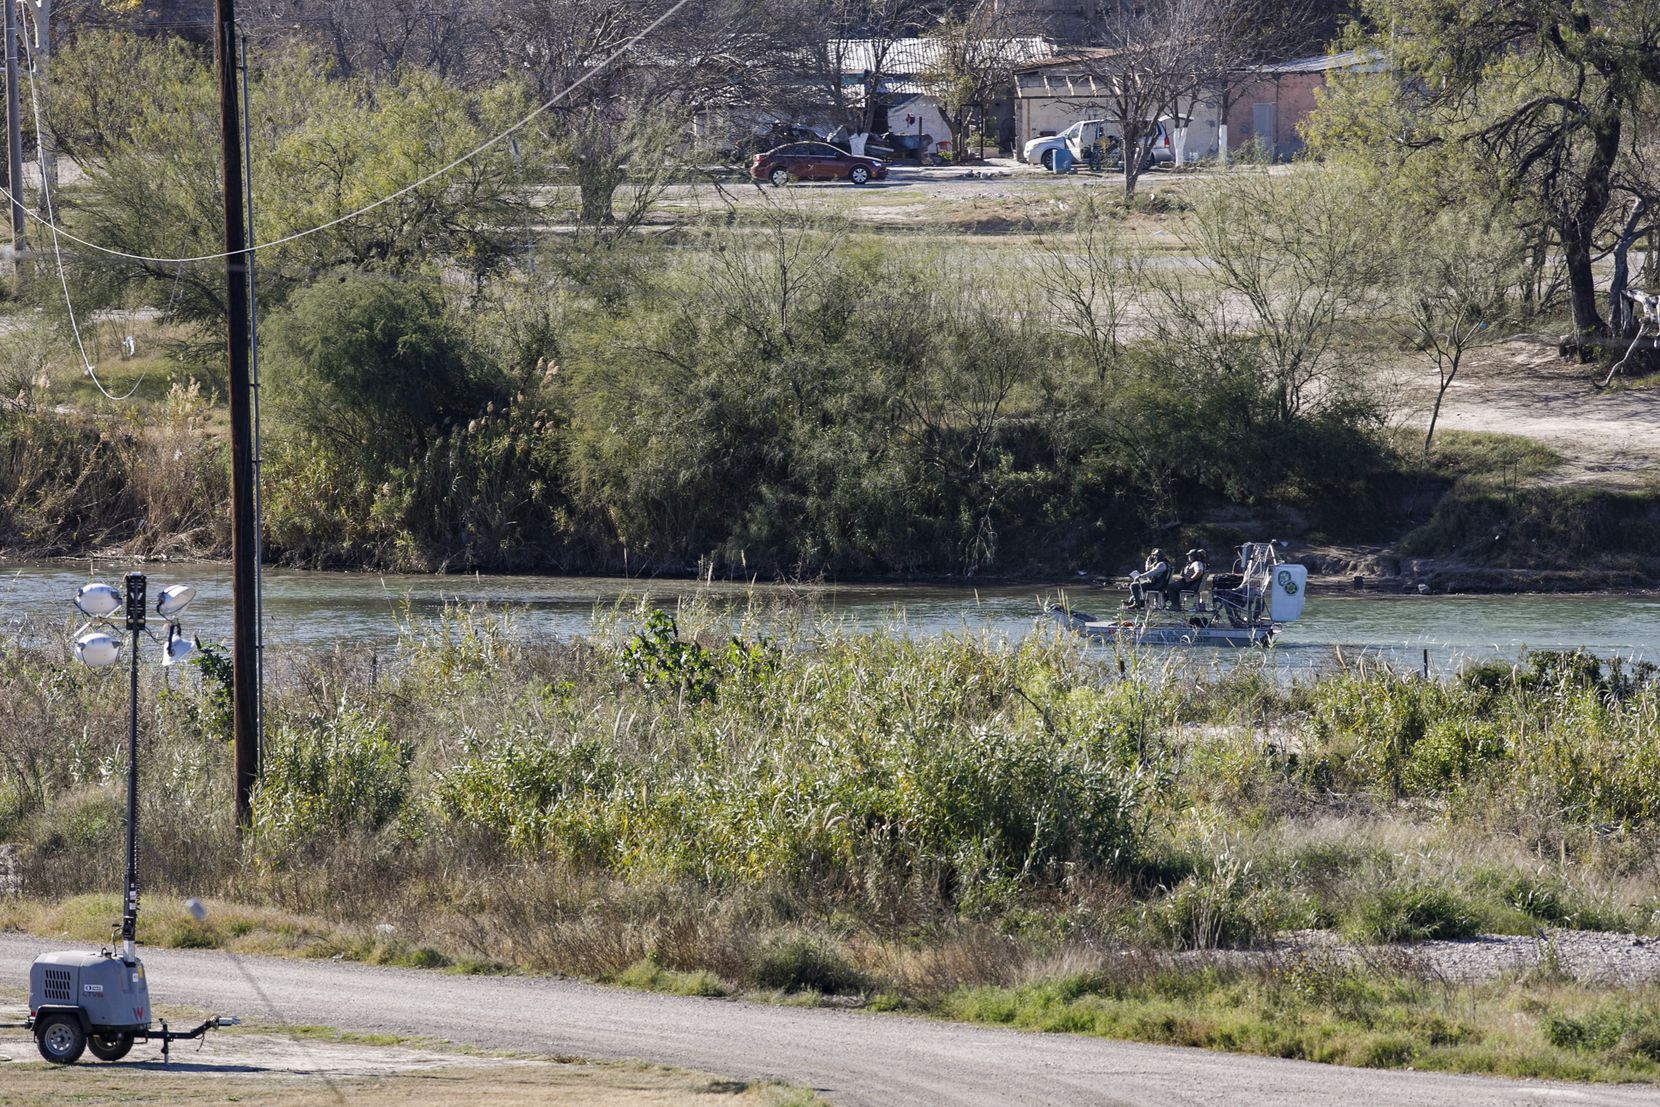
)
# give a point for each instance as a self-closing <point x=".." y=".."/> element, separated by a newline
<point x="1225" y="904"/>
<point x="1609" y="1027"/>
<point x="341" y="775"/>
<point x="528" y="791"/>
<point x="1450" y="752"/>
<point x="802" y="962"/>
<point x="1410" y="913"/>
<point x="373" y="367"/>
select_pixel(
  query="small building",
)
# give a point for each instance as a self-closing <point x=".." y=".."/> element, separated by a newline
<point x="1263" y="107"/>
<point x="1266" y="107"/>
<point x="897" y="69"/>
<point x="1056" y="92"/>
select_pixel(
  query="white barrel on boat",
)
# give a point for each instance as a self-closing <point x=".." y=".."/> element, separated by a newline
<point x="1287" y="590"/>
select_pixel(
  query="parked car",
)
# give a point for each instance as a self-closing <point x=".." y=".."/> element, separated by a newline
<point x="1095" y="139"/>
<point x="815" y="161"/>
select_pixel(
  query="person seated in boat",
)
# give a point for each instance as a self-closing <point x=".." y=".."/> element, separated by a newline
<point x="1152" y="578"/>
<point x="1190" y="579"/>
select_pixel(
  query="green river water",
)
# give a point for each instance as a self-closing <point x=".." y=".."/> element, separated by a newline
<point x="314" y="609"/>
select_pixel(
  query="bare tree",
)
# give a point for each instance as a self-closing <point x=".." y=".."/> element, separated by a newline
<point x="1455" y="280"/>
<point x="626" y="109"/>
<point x="972" y="63"/>
<point x="457" y="39"/>
<point x="1162" y="58"/>
<point x="1288" y="266"/>
<point x="1092" y="277"/>
<point x="864" y="34"/>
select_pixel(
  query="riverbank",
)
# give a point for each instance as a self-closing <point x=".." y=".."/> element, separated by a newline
<point x="991" y="830"/>
<point x="1333" y="571"/>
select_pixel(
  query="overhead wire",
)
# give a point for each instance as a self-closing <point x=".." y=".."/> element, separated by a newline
<point x="443" y="170"/>
<point x="57" y="248"/>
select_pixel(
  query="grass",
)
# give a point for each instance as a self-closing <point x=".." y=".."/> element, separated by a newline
<point x="237" y="928"/>
<point x="1330" y="1011"/>
<point x="1476" y="458"/>
<point x="649" y="976"/>
<point x="956" y="826"/>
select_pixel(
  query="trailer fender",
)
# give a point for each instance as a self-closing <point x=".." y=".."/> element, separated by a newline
<point x="45" y="1012"/>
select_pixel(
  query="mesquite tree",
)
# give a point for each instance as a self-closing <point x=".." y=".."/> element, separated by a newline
<point x="1547" y="90"/>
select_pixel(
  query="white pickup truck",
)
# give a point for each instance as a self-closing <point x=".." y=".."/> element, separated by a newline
<point x="1088" y="134"/>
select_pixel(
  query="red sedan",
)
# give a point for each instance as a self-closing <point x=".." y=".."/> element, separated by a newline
<point x="815" y="161"/>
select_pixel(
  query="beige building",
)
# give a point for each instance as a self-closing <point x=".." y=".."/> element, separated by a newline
<point x="1263" y="108"/>
<point x="1053" y="94"/>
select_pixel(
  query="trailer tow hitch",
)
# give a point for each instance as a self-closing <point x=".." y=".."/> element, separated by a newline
<point x="168" y="1037"/>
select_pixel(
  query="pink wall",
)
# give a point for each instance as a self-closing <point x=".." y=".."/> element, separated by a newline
<point x="1293" y="97"/>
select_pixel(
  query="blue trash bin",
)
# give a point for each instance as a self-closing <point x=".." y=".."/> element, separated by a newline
<point x="1063" y="160"/>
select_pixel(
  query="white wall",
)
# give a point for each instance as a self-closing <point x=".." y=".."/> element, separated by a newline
<point x="927" y="112"/>
<point x="1040" y="111"/>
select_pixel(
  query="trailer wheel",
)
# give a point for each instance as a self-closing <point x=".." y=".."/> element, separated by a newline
<point x="110" y="1047"/>
<point x="61" y="1039"/>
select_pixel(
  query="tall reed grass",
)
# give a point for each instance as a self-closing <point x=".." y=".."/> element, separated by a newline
<point x="877" y="811"/>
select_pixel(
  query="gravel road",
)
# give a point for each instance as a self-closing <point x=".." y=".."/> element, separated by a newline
<point x="850" y="1057"/>
<point x="1590" y="956"/>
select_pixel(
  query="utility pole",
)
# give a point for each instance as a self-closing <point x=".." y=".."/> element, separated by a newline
<point x="14" y="138"/>
<point x="244" y="541"/>
<point x="40" y="54"/>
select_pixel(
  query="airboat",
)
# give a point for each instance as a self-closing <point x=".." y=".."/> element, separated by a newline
<point x="1246" y="607"/>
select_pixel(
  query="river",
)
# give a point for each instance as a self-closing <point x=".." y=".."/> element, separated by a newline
<point x="316" y="609"/>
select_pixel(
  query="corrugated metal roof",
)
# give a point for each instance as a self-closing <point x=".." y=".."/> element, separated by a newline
<point x="1077" y="62"/>
<point x="910" y="56"/>
<point x="1325" y="63"/>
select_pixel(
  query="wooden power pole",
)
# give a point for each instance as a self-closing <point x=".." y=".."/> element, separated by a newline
<point x="244" y="544"/>
<point x="14" y="138"/>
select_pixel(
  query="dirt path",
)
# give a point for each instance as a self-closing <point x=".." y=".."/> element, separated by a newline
<point x="1521" y="387"/>
<point x="850" y="1057"/>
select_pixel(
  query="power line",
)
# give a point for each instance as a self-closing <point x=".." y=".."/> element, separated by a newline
<point x="57" y="251"/>
<point x="487" y="144"/>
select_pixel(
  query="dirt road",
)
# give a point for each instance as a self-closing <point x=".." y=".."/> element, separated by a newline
<point x="267" y="1070"/>
<point x="850" y="1057"/>
<point x="1522" y="387"/>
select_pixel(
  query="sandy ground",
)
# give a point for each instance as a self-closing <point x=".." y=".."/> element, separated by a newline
<point x="849" y="1057"/>
<point x="1523" y="387"/>
<point x="266" y="1068"/>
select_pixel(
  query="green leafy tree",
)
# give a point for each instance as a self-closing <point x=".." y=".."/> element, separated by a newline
<point x="374" y="367"/>
<point x="322" y="148"/>
<point x="1547" y="90"/>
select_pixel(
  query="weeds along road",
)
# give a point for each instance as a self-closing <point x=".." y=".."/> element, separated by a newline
<point x="848" y="1056"/>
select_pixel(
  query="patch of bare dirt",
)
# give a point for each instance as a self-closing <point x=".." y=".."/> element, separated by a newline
<point x="1522" y="387"/>
<point x="267" y="1068"/>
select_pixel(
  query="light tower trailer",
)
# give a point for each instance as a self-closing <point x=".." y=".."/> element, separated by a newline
<point x="101" y="1001"/>
<point x="98" y="1002"/>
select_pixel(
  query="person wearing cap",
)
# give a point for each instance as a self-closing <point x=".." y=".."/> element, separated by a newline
<point x="1188" y="580"/>
<point x="1154" y="575"/>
